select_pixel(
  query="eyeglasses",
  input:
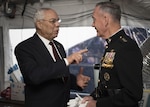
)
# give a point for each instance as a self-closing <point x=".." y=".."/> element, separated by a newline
<point x="53" y="21"/>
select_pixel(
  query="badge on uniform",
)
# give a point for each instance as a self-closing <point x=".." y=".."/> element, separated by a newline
<point x="106" y="76"/>
<point x="123" y="39"/>
<point x="108" y="59"/>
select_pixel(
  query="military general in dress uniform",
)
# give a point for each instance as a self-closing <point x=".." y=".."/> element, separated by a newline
<point x="120" y="79"/>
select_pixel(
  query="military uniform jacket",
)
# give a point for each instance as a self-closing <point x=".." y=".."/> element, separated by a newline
<point x="121" y="69"/>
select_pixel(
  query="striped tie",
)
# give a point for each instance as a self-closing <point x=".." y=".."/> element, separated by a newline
<point x="54" y="51"/>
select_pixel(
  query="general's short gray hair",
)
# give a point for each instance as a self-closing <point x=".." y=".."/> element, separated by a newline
<point x="111" y="8"/>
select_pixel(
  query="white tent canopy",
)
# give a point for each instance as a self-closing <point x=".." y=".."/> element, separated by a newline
<point x="78" y="12"/>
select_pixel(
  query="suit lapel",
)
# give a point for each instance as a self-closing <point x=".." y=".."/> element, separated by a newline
<point x="41" y="48"/>
<point x="39" y="45"/>
<point x="60" y="49"/>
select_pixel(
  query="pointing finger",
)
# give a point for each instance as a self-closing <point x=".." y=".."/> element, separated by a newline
<point x="83" y="51"/>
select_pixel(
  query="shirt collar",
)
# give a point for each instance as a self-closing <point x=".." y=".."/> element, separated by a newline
<point x="45" y="41"/>
<point x="116" y="32"/>
<point x="110" y="38"/>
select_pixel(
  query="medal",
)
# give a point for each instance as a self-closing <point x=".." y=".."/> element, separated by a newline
<point x="108" y="59"/>
<point x="106" y="76"/>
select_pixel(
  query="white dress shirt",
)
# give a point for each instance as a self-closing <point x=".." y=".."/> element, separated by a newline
<point x="49" y="48"/>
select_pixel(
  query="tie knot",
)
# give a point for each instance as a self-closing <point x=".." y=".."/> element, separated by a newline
<point x="51" y="43"/>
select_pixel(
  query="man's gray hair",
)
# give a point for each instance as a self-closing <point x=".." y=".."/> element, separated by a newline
<point x="111" y="8"/>
<point x="40" y="14"/>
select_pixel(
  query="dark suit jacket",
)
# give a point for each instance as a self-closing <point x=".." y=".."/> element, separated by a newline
<point x="121" y="69"/>
<point x="42" y="76"/>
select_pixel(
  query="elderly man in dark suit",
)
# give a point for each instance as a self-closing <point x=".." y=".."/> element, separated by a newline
<point x="47" y="78"/>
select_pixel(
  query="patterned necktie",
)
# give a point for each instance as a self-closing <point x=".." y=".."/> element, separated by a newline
<point x="54" y="51"/>
<point x="64" y="78"/>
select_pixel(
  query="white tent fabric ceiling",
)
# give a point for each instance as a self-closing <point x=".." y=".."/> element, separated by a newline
<point x="135" y="13"/>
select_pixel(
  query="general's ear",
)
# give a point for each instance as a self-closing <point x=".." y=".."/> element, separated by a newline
<point x="106" y="19"/>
